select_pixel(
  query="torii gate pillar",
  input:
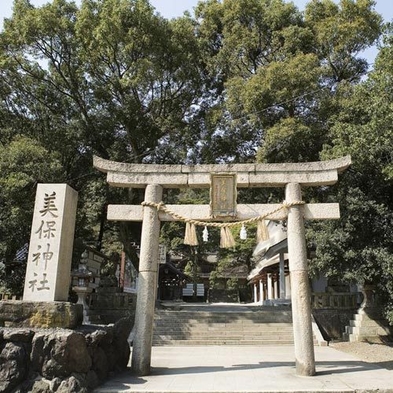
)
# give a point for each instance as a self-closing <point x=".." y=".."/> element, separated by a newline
<point x="300" y="287"/>
<point x="147" y="283"/>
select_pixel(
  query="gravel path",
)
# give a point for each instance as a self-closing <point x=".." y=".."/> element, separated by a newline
<point x="380" y="354"/>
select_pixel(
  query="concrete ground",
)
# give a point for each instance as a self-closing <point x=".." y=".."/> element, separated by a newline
<point x="250" y="369"/>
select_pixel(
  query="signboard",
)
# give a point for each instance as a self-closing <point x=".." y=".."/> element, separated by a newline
<point x="223" y="195"/>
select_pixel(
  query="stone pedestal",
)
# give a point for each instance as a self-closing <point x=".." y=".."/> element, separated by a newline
<point x="19" y="313"/>
<point x="82" y="293"/>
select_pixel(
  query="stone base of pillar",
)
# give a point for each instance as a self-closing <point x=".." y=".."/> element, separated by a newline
<point x="302" y="324"/>
<point x="144" y="319"/>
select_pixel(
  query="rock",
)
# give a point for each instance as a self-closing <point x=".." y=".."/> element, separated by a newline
<point x="13" y="366"/>
<point x="61" y="360"/>
<point x="96" y="337"/>
<point x="77" y="355"/>
<point x="60" y="353"/>
<point x="100" y="363"/>
<point x="92" y="380"/>
<point x="41" y="386"/>
<point x="105" y="342"/>
<point x="122" y="329"/>
<point x="54" y="384"/>
<point x="51" y="368"/>
<point x="37" y="355"/>
<point x="15" y="335"/>
<point x="72" y="385"/>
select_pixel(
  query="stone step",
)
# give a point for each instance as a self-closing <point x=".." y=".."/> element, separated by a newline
<point x="225" y="334"/>
<point x="173" y="318"/>
<point x="228" y="314"/>
<point x="367" y="326"/>
<point x="216" y="326"/>
<point x="368" y="330"/>
<point x="370" y="322"/>
<point x="176" y="319"/>
<point x="218" y="333"/>
<point x="174" y="324"/>
<point x="367" y="318"/>
<point x="219" y="325"/>
<point x="230" y="330"/>
<point x="222" y="342"/>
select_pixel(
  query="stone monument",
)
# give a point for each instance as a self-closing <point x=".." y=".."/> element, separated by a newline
<point x="48" y="272"/>
<point x="52" y="236"/>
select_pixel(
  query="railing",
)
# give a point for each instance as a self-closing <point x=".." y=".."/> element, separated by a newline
<point x="334" y="300"/>
<point x="7" y="296"/>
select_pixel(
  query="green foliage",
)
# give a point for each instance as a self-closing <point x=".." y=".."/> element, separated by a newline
<point x="341" y="32"/>
<point x="359" y="246"/>
<point x="110" y="78"/>
<point x="23" y="164"/>
<point x="242" y="79"/>
<point x="12" y="279"/>
<point x="275" y="68"/>
<point x="236" y="259"/>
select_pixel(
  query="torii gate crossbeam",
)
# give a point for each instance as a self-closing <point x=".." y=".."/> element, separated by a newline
<point x="154" y="178"/>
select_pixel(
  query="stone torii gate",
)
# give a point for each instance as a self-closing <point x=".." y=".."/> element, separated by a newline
<point x="154" y="178"/>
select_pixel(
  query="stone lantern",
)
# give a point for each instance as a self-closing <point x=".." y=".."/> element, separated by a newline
<point x="83" y="277"/>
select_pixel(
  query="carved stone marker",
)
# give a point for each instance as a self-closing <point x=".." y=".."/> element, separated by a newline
<point x="292" y="176"/>
<point x="50" y="251"/>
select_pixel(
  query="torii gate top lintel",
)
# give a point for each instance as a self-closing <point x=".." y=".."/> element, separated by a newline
<point x="198" y="176"/>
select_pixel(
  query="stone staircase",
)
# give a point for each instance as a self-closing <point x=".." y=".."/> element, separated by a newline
<point x="367" y="326"/>
<point x="223" y="325"/>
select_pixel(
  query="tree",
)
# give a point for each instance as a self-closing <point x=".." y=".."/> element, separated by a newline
<point x="115" y="79"/>
<point x="23" y="164"/>
<point x="279" y="71"/>
<point x="290" y="89"/>
<point x="359" y="247"/>
<point x="110" y="78"/>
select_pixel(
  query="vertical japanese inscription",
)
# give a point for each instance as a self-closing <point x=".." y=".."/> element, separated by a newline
<point x="223" y="195"/>
<point x="45" y="232"/>
<point x="49" y="251"/>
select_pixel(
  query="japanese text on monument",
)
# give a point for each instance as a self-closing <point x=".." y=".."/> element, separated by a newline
<point x="45" y="233"/>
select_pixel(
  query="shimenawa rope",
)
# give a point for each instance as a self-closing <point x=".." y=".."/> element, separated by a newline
<point x="226" y="236"/>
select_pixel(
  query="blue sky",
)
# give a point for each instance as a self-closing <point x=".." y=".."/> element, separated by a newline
<point x="173" y="8"/>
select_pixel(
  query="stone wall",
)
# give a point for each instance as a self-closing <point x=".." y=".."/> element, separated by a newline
<point x="108" y="305"/>
<point x="62" y="360"/>
<point x="332" y="322"/>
